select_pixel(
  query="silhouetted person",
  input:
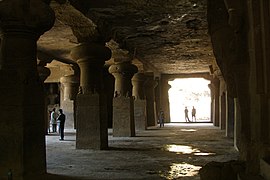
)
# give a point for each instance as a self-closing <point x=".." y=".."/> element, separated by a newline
<point x="186" y="115"/>
<point x="61" y="118"/>
<point x="161" y="118"/>
<point x="53" y="120"/>
<point x="193" y="113"/>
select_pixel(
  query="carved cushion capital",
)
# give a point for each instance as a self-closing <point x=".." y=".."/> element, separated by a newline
<point x="123" y="68"/>
<point x="91" y="51"/>
<point x="71" y="79"/>
<point x="139" y="77"/>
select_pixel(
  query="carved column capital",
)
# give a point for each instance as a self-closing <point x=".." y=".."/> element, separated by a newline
<point x="71" y="85"/>
<point x="91" y="58"/>
<point x="126" y="69"/>
<point x="123" y="73"/>
<point x="138" y="81"/>
<point x="151" y="83"/>
<point x="90" y="52"/>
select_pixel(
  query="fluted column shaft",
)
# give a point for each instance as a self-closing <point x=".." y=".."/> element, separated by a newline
<point x="123" y="73"/>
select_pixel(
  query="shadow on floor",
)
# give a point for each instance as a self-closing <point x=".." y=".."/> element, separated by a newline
<point x="53" y="177"/>
<point x="126" y="149"/>
<point x="60" y="177"/>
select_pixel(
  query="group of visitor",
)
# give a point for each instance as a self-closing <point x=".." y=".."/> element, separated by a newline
<point x="193" y="114"/>
<point x="161" y="116"/>
<point x="58" y="119"/>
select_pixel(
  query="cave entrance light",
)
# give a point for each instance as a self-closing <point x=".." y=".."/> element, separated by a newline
<point x="189" y="92"/>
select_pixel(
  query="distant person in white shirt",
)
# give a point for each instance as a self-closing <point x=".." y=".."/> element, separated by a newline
<point x="53" y="120"/>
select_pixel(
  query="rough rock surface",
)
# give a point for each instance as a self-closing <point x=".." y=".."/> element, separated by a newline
<point x="167" y="36"/>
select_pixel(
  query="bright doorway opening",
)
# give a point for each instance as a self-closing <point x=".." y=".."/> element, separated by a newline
<point x="189" y="92"/>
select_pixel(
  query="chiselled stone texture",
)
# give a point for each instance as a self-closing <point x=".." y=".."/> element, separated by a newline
<point x="123" y="117"/>
<point x="140" y="114"/>
<point x="92" y="130"/>
<point x="171" y="35"/>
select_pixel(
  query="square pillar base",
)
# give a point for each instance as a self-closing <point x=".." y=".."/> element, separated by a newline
<point x="140" y="114"/>
<point x="92" y="130"/>
<point x="68" y="108"/>
<point x="123" y="117"/>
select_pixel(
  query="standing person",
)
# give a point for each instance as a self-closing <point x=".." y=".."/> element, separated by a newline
<point x="186" y="115"/>
<point x="193" y="113"/>
<point x="161" y="118"/>
<point x="61" y="118"/>
<point x="53" y="120"/>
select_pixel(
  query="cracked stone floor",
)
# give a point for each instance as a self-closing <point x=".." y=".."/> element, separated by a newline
<point x="176" y="151"/>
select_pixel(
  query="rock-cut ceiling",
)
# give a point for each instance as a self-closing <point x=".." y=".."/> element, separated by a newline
<point x="167" y="36"/>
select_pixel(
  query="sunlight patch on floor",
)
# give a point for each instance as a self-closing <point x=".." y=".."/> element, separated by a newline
<point x="178" y="170"/>
<point x="181" y="149"/>
<point x="188" y="130"/>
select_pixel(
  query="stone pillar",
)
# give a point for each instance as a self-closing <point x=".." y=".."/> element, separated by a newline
<point x="230" y="117"/>
<point x="212" y="102"/>
<point x="222" y="111"/>
<point x="238" y="131"/>
<point x="138" y="81"/>
<point x="164" y="96"/>
<point x="222" y="104"/>
<point x="70" y="86"/>
<point x="109" y="86"/>
<point x="158" y="97"/>
<point x="43" y="73"/>
<point x="22" y="104"/>
<point x="215" y="108"/>
<point x="91" y="115"/>
<point x="149" y="88"/>
<point x="123" y="102"/>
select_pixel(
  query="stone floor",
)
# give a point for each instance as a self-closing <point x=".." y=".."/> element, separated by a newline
<point x="176" y="151"/>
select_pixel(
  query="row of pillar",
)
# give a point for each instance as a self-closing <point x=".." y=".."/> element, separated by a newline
<point x="133" y="100"/>
<point x="133" y="97"/>
<point x="23" y="98"/>
<point x="223" y="106"/>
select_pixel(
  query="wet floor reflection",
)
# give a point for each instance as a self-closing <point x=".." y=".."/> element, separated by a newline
<point x="188" y="130"/>
<point x="181" y="149"/>
<point x="178" y="170"/>
<point x="204" y="154"/>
